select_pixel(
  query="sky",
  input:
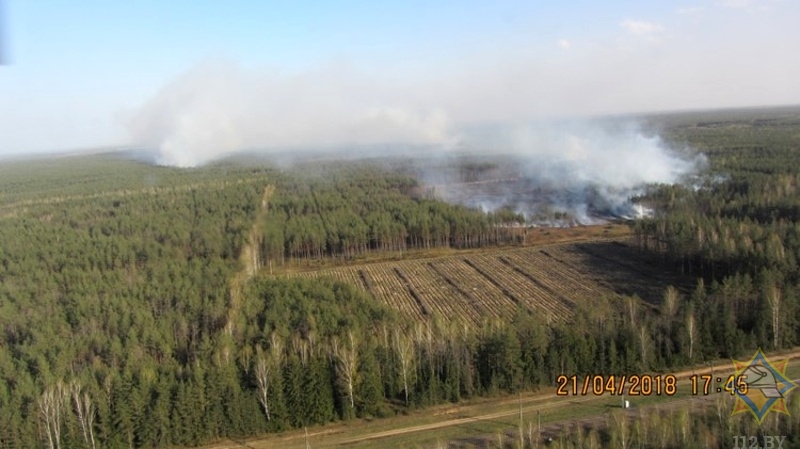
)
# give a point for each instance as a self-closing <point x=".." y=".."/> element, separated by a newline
<point x="238" y="74"/>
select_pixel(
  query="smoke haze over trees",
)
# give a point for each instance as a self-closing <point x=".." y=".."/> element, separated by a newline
<point x="584" y="168"/>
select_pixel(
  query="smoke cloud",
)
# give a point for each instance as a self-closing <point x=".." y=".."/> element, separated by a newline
<point x="215" y="110"/>
<point x="544" y="169"/>
<point x="580" y="171"/>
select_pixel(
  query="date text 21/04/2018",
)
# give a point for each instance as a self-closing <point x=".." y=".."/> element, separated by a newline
<point x="645" y="385"/>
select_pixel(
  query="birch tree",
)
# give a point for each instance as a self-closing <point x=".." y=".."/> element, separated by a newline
<point x="404" y="348"/>
<point x="51" y="404"/>
<point x="632" y="309"/>
<point x="670" y="306"/>
<point x="620" y="430"/>
<point x="266" y="367"/>
<point x="263" y="372"/>
<point x="774" y="301"/>
<point x="347" y="364"/>
<point x="84" y="412"/>
<point x="691" y="331"/>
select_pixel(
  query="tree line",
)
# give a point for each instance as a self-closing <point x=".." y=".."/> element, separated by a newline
<point x="351" y="211"/>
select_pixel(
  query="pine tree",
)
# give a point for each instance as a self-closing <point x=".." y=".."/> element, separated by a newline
<point x="123" y="411"/>
<point x="293" y="391"/>
<point x="318" y="391"/>
<point x="159" y="414"/>
<point x="369" y="388"/>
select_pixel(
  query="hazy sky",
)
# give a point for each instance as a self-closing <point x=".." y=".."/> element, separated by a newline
<point x="239" y="73"/>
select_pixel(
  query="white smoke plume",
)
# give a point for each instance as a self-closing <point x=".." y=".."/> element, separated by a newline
<point x="587" y="168"/>
<point x="215" y="110"/>
<point x="617" y="155"/>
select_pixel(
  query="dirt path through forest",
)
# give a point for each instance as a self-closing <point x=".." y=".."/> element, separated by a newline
<point x="249" y="259"/>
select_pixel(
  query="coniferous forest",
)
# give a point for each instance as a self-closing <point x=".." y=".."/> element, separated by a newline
<point x="144" y="306"/>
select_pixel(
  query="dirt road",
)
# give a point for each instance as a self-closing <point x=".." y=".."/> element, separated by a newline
<point x="340" y="434"/>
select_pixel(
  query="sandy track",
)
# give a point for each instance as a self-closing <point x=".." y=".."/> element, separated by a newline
<point x="249" y="259"/>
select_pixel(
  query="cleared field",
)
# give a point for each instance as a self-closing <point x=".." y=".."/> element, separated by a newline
<point x="547" y="279"/>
